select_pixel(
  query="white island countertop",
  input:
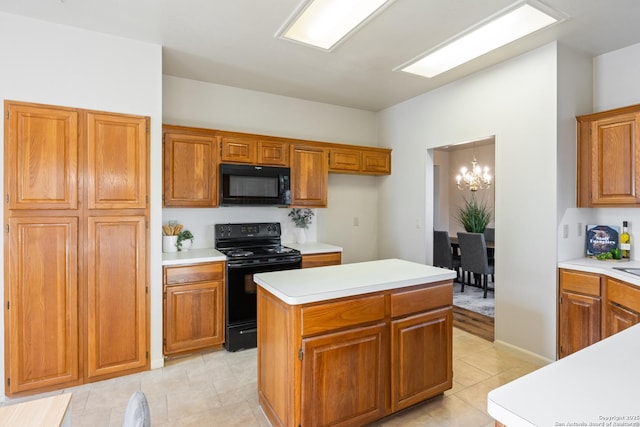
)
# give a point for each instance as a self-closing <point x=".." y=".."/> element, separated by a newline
<point x="596" y="386"/>
<point x="307" y="285"/>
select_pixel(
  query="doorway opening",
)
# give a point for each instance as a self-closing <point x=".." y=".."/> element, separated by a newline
<point x="472" y="312"/>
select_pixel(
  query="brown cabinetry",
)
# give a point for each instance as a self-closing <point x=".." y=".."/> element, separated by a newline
<point x="273" y="153"/>
<point x="321" y="260"/>
<point x="76" y="276"/>
<point x="360" y="160"/>
<point x="237" y="150"/>
<point x="580" y="311"/>
<point x="623" y="306"/>
<point x="608" y="158"/>
<point x="392" y="348"/>
<point x="193" y="307"/>
<point x="309" y="176"/>
<point x="190" y="169"/>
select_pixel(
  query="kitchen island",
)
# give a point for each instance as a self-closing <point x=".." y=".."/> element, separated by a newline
<point x="596" y="386"/>
<point x="349" y="344"/>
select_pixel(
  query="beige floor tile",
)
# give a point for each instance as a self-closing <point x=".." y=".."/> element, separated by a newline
<point x="219" y="388"/>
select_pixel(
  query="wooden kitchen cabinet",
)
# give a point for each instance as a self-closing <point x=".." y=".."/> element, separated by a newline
<point x="362" y="161"/>
<point x="623" y="306"/>
<point x="353" y="360"/>
<point x="82" y="268"/>
<point x="579" y="312"/>
<point x="422" y="318"/>
<point x="235" y="149"/>
<point x="193" y="307"/>
<point x="42" y="320"/>
<point x="190" y="169"/>
<point x="309" y="176"/>
<point x="273" y="153"/>
<point x="608" y="158"/>
<point x="321" y="260"/>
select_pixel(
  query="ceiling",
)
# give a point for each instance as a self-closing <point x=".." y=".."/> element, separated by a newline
<point x="231" y="42"/>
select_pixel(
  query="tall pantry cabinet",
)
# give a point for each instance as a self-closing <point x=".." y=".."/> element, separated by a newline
<point x="76" y="232"/>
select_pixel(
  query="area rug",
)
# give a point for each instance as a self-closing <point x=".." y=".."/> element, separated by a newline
<point x="471" y="299"/>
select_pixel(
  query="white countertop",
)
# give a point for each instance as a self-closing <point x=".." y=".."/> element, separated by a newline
<point x="192" y="256"/>
<point x="600" y="381"/>
<point x="591" y="265"/>
<point x="310" y="248"/>
<point x="336" y="281"/>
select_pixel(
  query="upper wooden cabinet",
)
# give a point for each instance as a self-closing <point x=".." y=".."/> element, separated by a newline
<point x="238" y="150"/>
<point x="273" y="153"/>
<point x="309" y="176"/>
<point x="360" y="161"/>
<point x="609" y="157"/>
<point x="41" y="164"/>
<point x="117" y="161"/>
<point x="190" y="176"/>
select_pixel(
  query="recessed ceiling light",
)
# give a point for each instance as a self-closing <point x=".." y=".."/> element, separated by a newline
<point x="325" y="23"/>
<point x="510" y="24"/>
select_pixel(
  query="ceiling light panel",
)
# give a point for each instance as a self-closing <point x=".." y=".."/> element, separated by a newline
<point x="513" y="23"/>
<point x="326" y="23"/>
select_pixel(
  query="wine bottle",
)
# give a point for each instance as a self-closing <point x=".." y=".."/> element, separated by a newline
<point x="625" y="242"/>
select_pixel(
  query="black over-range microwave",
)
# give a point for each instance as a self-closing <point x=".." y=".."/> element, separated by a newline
<point x="251" y="185"/>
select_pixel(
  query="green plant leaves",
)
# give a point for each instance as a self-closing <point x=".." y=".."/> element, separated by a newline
<point x="474" y="215"/>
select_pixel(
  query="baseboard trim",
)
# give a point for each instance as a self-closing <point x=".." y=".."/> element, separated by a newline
<point x="522" y="353"/>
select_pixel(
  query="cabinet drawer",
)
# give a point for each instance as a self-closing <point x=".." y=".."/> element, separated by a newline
<point x="194" y="273"/>
<point x="421" y="299"/>
<point x="321" y="260"/>
<point x="340" y="314"/>
<point x="623" y="294"/>
<point x="584" y="283"/>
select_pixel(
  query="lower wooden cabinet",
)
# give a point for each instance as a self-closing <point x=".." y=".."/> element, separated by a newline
<point x="623" y="306"/>
<point x="351" y="361"/>
<point x="321" y="260"/>
<point x="347" y="369"/>
<point x="580" y="311"/>
<point x="592" y="307"/>
<point x="193" y="307"/>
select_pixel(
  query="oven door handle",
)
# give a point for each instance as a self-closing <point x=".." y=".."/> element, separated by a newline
<point x="242" y="264"/>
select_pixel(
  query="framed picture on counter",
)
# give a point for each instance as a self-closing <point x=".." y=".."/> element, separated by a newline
<point x="601" y="238"/>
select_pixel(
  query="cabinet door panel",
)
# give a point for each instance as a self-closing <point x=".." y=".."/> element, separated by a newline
<point x="343" y="377"/>
<point x="41" y="157"/>
<point x="117" y="299"/>
<point x="579" y="322"/>
<point x="376" y="163"/>
<point x="238" y="150"/>
<point x="190" y="178"/>
<point x="273" y="153"/>
<point x="117" y="161"/>
<point x="193" y="315"/>
<point x="321" y="260"/>
<point x="42" y="290"/>
<point x="309" y="176"/>
<point x="421" y="357"/>
<point x="615" y="159"/>
<point x="620" y="318"/>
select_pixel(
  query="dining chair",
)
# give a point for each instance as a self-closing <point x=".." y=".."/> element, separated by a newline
<point x="474" y="259"/>
<point x="490" y="236"/>
<point x="443" y="254"/>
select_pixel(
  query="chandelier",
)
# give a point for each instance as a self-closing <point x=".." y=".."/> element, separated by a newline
<point x="477" y="178"/>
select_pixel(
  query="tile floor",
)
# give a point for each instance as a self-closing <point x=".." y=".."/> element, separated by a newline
<point x="219" y="389"/>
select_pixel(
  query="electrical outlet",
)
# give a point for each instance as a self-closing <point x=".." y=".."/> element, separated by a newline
<point x="356" y="221"/>
<point x="579" y="229"/>
<point x="565" y="231"/>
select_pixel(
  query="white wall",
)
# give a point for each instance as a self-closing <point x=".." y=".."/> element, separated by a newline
<point x="59" y="65"/>
<point x="198" y="104"/>
<point x="516" y="102"/>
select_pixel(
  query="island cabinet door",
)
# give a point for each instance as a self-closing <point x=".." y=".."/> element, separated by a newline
<point x="421" y="357"/>
<point x="343" y="380"/>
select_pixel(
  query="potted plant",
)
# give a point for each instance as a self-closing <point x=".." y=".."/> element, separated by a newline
<point x="185" y="240"/>
<point x="301" y="218"/>
<point x="474" y="215"/>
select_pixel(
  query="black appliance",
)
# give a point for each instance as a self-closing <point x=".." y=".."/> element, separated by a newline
<point x="254" y="185"/>
<point x="250" y="248"/>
